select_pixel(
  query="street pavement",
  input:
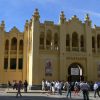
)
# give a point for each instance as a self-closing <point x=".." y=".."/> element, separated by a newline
<point x="6" y="94"/>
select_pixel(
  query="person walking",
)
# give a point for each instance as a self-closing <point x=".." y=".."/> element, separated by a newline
<point x="19" y="86"/>
<point x="25" y="86"/>
<point x="53" y="87"/>
<point x="59" y="88"/>
<point x="44" y="85"/>
<point x="85" y="89"/>
<point x="96" y="90"/>
<point x="76" y="89"/>
<point x="9" y="84"/>
<point x="68" y="86"/>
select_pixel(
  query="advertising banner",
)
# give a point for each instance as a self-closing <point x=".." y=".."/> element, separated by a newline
<point x="48" y="68"/>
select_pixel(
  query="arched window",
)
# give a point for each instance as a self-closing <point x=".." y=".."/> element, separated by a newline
<point x="67" y="40"/>
<point x="93" y="42"/>
<point x="82" y="41"/>
<point x="7" y="45"/>
<point x="5" y="63"/>
<point x="98" y="40"/>
<point x="14" y="44"/>
<point x="74" y="40"/>
<point x="21" y="45"/>
<point x="56" y="41"/>
<point x="48" y="39"/>
<point x="20" y="63"/>
<point x="42" y="38"/>
<point x="13" y="63"/>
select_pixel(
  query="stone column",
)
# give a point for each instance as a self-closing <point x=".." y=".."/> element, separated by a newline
<point x="17" y="54"/>
<point x="9" y="53"/>
<point x="70" y="43"/>
<point x="79" y="45"/>
<point x="96" y="44"/>
<point x="45" y="41"/>
<point x="52" y="46"/>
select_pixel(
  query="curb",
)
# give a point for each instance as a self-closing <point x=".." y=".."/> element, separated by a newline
<point x="32" y="92"/>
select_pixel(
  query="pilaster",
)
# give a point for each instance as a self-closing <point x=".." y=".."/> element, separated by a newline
<point x="62" y="45"/>
<point x="45" y="41"/>
<point x="96" y="44"/>
<point x="17" y="54"/>
<point x="70" y="42"/>
<point x="79" y="43"/>
<point x="34" y="55"/>
<point x="88" y="47"/>
<point x="26" y="51"/>
<point x="52" y="46"/>
<point x="9" y="54"/>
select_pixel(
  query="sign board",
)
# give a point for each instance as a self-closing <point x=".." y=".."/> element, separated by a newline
<point x="48" y="68"/>
<point x="74" y="71"/>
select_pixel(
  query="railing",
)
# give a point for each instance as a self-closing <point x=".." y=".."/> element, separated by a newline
<point x="13" y="51"/>
<point x="98" y="49"/>
<point x="48" y="47"/>
<point x="6" y="51"/>
<point x="93" y="49"/>
<point x="82" y="49"/>
<point x="75" y="48"/>
<point x="56" y="48"/>
<point x="20" y="51"/>
<point x="67" y="48"/>
<point x="41" y="46"/>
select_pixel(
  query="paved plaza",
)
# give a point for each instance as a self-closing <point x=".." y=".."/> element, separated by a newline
<point x="38" y="95"/>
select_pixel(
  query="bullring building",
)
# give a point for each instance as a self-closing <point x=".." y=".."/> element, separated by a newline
<point x="69" y="50"/>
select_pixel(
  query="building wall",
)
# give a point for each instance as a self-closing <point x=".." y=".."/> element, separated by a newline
<point x="52" y="52"/>
<point x="44" y="58"/>
<point x="2" y="51"/>
<point x="9" y="52"/>
<point x="12" y="75"/>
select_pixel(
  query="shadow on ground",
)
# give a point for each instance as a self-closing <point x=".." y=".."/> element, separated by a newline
<point x="34" y="98"/>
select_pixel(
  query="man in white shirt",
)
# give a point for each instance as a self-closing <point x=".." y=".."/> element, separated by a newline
<point x="96" y="89"/>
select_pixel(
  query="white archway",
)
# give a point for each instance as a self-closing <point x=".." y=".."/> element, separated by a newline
<point x="75" y="72"/>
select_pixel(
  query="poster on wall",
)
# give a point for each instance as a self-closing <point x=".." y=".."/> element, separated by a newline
<point x="74" y="71"/>
<point x="48" y="67"/>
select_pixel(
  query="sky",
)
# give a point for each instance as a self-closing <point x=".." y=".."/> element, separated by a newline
<point x="16" y="12"/>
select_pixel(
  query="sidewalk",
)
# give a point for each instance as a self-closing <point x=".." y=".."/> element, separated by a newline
<point x="28" y="91"/>
<point x="32" y="91"/>
<point x="45" y="93"/>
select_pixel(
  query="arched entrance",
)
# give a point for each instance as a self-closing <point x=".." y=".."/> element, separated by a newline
<point x="75" y="72"/>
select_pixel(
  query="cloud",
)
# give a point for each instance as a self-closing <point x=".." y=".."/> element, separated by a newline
<point x="46" y="1"/>
<point x="91" y="13"/>
<point x="96" y="14"/>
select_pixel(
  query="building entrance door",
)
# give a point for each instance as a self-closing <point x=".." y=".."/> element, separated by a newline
<point x="75" y="73"/>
